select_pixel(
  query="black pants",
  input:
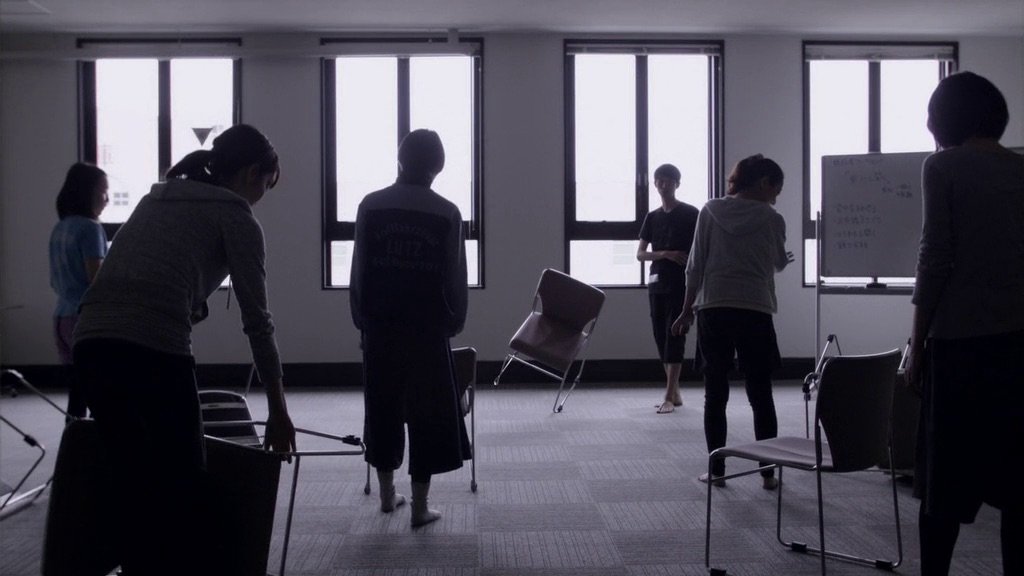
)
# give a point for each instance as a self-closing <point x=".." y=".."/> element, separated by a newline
<point x="665" y="308"/>
<point x="970" y="413"/>
<point x="147" y="411"/>
<point x="723" y="333"/>
<point x="409" y="382"/>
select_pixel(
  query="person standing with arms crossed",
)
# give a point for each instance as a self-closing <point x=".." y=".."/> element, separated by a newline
<point x="78" y="245"/>
<point x="665" y="239"/>
<point x="739" y="246"/>
<point x="133" y="344"/>
<point x="408" y="296"/>
<point x="968" y="327"/>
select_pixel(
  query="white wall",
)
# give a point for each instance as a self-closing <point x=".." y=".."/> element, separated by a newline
<point x="523" y="199"/>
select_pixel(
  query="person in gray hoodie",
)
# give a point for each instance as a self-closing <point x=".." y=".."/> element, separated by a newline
<point x="738" y="247"/>
<point x="133" y="351"/>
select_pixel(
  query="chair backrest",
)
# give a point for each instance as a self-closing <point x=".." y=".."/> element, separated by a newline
<point x="465" y="375"/>
<point x="568" y="300"/>
<point x="226" y="406"/>
<point x="855" y="407"/>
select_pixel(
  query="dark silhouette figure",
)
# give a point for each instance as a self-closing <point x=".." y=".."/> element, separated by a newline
<point x="78" y="246"/>
<point x="133" y="343"/>
<point x="968" y="330"/>
<point x="408" y="297"/>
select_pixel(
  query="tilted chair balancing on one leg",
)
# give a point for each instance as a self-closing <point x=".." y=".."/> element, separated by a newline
<point x="557" y="330"/>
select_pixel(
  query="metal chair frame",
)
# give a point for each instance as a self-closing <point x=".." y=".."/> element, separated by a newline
<point x="297" y="455"/>
<point x="821" y="463"/>
<point x="536" y="364"/>
<point x="14" y="501"/>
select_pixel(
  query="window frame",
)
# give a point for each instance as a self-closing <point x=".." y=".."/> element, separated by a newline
<point x="403" y="49"/>
<point x="576" y="230"/>
<point x="873" y="53"/>
<point x="136" y="48"/>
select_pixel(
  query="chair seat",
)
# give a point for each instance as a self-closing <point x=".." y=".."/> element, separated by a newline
<point x="547" y="341"/>
<point x="792" y="451"/>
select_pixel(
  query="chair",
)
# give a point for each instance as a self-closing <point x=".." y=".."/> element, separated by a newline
<point x="557" y="330"/>
<point x="852" y="432"/>
<point x="465" y="379"/>
<point x="12" y="498"/>
<point x="244" y="477"/>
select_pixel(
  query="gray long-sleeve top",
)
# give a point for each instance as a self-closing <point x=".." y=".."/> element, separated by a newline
<point x="971" y="260"/>
<point x="738" y="247"/>
<point x="174" y="251"/>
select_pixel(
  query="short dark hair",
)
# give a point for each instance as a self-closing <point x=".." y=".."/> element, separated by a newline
<point x="668" y="172"/>
<point x="235" y="148"/>
<point x="75" y="196"/>
<point x="964" y="105"/>
<point x="421" y="156"/>
<point x="752" y="169"/>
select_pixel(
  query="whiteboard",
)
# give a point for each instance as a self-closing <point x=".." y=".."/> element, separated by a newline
<point x="871" y="214"/>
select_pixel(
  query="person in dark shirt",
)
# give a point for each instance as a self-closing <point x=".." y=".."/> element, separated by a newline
<point x="665" y="240"/>
<point x="408" y="297"/>
<point x="968" y="327"/>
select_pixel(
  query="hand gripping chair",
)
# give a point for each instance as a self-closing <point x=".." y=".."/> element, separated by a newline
<point x="557" y="330"/>
<point x="852" y="432"/>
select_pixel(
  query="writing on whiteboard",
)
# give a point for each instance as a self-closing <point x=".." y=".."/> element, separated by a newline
<point x="871" y="214"/>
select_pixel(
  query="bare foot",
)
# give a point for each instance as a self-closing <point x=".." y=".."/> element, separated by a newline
<point x="677" y="401"/>
<point x="666" y="407"/>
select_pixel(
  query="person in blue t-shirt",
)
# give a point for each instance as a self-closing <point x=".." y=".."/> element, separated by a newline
<point x="78" y="246"/>
<point x="668" y="232"/>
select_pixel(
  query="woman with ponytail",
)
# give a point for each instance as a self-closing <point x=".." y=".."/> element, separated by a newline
<point x="133" y="348"/>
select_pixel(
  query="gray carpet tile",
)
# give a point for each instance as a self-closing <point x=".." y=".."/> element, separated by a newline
<point x="418" y="549"/>
<point x="606" y="488"/>
<point x="445" y="571"/>
<point x="307" y="553"/>
<point x="455" y="519"/>
<point x="639" y="490"/>
<point x="535" y="492"/>
<point x="558" y="549"/>
<point x="537" y="517"/>
<point x="528" y="471"/>
<point x="662" y="468"/>
<point x="667" y="570"/>
<point x="630" y="436"/>
<point x="522" y="438"/>
<point x="560" y="571"/>
<point x="667" y="516"/>
<point x="317" y="519"/>
<point x="638" y="451"/>
<point x="659" y="546"/>
<point x="530" y="453"/>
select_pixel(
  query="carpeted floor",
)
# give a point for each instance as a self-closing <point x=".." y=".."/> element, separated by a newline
<point x="605" y="488"/>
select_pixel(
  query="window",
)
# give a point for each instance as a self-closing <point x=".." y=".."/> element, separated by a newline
<point x="139" y="116"/>
<point x="375" y="94"/>
<point x="861" y="98"/>
<point x="630" y="107"/>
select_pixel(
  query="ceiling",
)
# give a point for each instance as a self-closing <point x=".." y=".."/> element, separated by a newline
<point x="907" y="18"/>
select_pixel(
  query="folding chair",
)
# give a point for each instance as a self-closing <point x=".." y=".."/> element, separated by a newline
<point x="227" y="420"/>
<point x="465" y="379"/>
<point x="557" y="330"/>
<point x="12" y="499"/>
<point x="852" y="433"/>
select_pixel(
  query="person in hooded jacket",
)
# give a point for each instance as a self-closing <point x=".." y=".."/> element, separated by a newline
<point x="738" y="247"/>
<point x="133" y="350"/>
